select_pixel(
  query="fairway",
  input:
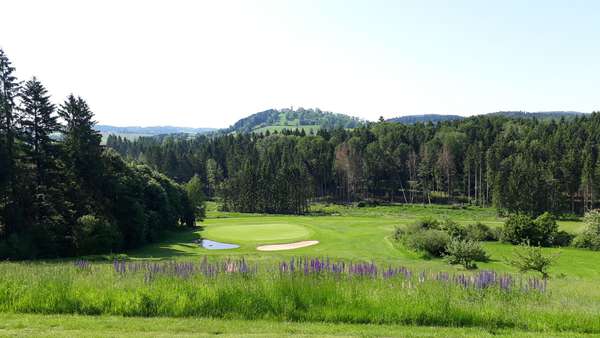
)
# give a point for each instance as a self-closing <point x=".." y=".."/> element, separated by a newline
<point x="259" y="233"/>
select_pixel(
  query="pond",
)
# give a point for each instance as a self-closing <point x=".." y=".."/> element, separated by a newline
<point x="213" y="245"/>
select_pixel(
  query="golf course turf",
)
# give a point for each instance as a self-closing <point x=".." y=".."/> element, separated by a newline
<point x="344" y="233"/>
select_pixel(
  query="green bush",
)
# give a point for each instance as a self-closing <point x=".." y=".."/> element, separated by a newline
<point x="453" y="229"/>
<point x="521" y="228"/>
<point x="590" y="238"/>
<point x="465" y="253"/>
<point x="428" y="223"/>
<point x="531" y="258"/>
<point x="432" y="242"/>
<point x="563" y="238"/>
<point x="94" y="235"/>
<point x="481" y="232"/>
<point x="399" y="233"/>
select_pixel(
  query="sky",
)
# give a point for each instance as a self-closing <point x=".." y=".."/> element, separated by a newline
<point x="210" y="63"/>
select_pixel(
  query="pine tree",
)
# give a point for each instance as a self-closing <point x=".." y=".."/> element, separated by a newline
<point x="9" y="88"/>
<point x="39" y="122"/>
<point x="82" y="151"/>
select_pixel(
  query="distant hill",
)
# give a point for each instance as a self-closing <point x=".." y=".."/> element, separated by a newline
<point x="134" y="132"/>
<point x="307" y="119"/>
<point x="544" y="115"/>
<point x="412" y="119"/>
<point x="151" y="130"/>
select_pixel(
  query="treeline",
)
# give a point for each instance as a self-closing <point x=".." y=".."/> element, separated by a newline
<point x="517" y="165"/>
<point x="61" y="193"/>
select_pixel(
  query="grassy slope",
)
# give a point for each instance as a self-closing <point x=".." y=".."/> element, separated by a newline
<point x="19" y="325"/>
<point x="286" y="124"/>
<point x="347" y="233"/>
<point x="357" y="234"/>
<point x="279" y="128"/>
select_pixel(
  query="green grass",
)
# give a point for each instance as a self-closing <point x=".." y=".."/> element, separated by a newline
<point x="31" y="325"/>
<point x="58" y="288"/>
<point x="352" y="233"/>
<point x="344" y="232"/>
<point x="271" y="128"/>
<point x="262" y="231"/>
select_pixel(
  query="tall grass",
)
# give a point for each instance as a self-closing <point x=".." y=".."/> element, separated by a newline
<point x="270" y="293"/>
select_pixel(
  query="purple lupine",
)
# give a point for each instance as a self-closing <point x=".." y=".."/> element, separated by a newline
<point x="82" y="264"/>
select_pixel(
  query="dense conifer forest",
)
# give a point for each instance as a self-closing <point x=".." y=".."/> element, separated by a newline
<point x="517" y="165"/>
<point x="61" y="193"/>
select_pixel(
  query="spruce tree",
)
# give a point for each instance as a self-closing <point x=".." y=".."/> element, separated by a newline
<point x="82" y="152"/>
<point x="9" y="88"/>
<point x="39" y="123"/>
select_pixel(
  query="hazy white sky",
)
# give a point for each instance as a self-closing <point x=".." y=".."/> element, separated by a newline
<point x="209" y="63"/>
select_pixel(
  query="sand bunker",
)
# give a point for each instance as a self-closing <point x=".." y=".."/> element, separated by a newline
<point x="289" y="246"/>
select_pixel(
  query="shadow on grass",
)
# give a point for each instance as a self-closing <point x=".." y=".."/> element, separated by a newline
<point x="174" y="244"/>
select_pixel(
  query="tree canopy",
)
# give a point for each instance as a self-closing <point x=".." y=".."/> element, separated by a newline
<point x="61" y="193"/>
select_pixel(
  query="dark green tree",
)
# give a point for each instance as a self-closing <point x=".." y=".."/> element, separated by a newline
<point x="82" y="149"/>
<point x="9" y="89"/>
<point x="196" y="196"/>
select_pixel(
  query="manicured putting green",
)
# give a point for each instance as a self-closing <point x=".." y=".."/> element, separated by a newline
<point x="271" y="232"/>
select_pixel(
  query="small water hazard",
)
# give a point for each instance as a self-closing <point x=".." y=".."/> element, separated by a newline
<point x="214" y="245"/>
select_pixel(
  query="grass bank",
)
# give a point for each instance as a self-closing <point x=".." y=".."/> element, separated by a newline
<point x="264" y="293"/>
<point x="32" y="325"/>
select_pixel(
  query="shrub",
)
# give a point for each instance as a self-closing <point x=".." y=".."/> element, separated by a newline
<point x="531" y="258"/>
<point x="465" y="253"/>
<point x="590" y="238"/>
<point x="481" y="232"/>
<point x="516" y="228"/>
<point x="95" y="235"/>
<point x="432" y="242"/>
<point x="428" y="223"/>
<point x="522" y="228"/>
<point x="563" y="238"/>
<point x="399" y="233"/>
<point x="547" y="229"/>
<point x="453" y="229"/>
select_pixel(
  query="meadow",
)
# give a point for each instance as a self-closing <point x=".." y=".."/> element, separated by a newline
<point x="381" y="285"/>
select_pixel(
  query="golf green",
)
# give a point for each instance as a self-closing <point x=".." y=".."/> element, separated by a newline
<point x="259" y="233"/>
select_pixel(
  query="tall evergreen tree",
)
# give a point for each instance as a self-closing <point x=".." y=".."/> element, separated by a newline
<point x="82" y="151"/>
<point x="47" y="208"/>
<point x="9" y="88"/>
<point x="39" y="122"/>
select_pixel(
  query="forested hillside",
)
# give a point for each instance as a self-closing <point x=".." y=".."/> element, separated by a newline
<point x="544" y="115"/>
<point x="158" y="130"/>
<point x="412" y="119"/>
<point x="519" y="165"/>
<point x="61" y="193"/>
<point x="435" y="118"/>
<point x="307" y="119"/>
<point x="134" y="132"/>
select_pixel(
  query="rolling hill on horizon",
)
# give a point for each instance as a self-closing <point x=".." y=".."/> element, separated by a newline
<point x="311" y="120"/>
<point x="307" y="119"/>
<point x="543" y="115"/>
<point x="133" y="132"/>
